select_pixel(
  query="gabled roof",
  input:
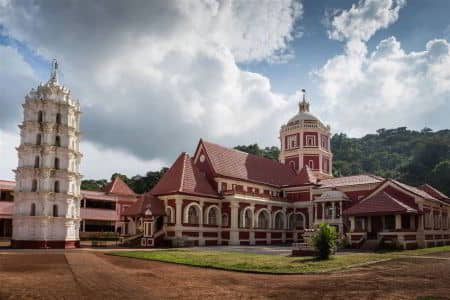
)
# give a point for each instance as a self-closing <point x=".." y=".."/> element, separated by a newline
<point x="415" y="190"/>
<point x="146" y="201"/>
<point x="184" y="177"/>
<point x="434" y="192"/>
<point x="240" y="165"/>
<point x="304" y="177"/>
<point x="379" y="204"/>
<point x="117" y="186"/>
<point x="350" y="180"/>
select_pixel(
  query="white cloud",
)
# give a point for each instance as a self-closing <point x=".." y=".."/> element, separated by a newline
<point x="388" y="87"/>
<point x="154" y="77"/>
<point x="8" y="154"/>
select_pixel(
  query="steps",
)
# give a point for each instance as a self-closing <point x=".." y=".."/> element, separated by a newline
<point x="370" y="245"/>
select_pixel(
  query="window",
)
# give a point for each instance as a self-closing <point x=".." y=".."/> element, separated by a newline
<point x="247" y="220"/>
<point x="225" y="220"/>
<point x="324" y="142"/>
<point x="40" y="117"/>
<point x="292" y="165"/>
<point x="33" y="209"/>
<point x="193" y="215"/>
<point x="310" y="140"/>
<point x="291" y="141"/>
<point x="34" y="185"/>
<point x="263" y="220"/>
<point x="55" y="210"/>
<point x="56" y="186"/>
<point x="58" y="118"/>
<point x="56" y="163"/>
<point x="36" y="162"/>
<point x="38" y="139"/>
<point x="279" y="221"/>
<point x="212" y="216"/>
<point x="58" y="141"/>
<point x="311" y="164"/>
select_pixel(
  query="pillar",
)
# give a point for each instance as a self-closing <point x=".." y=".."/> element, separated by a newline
<point x="310" y="217"/>
<point x="340" y="209"/>
<point x="315" y="212"/>
<point x="234" y="231"/>
<point x="398" y="222"/>
<point x="323" y="211"/>
<point x="178" y="216"/>
<point x="333" y="210"/>
<point x="201" y="240"/>
<point x="369" y="224"/>
<point x="352" y="224"/>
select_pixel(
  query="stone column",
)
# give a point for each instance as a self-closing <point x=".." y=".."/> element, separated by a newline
<point x="398" y="222"/>
<point x="178" y="216"/>
<point x="340" y="210"/>
<point x="201" y="240"/>
<point x="234" y="231"/>
<point x="315" y="212"/>
<point x="310" y="217"/>
<point x="352" y="224"/>
<point x="323" y="211"/>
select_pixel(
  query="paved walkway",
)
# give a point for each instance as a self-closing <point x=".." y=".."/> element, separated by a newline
<point x="78" y="274"/>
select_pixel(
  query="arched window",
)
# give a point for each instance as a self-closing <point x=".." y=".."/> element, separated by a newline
<point x="56" y="187"/>
<point x="56" y="163"/>
<point x="33" y="209"/>
<point x="55" y="210"/>
<point x="296" y="221"/>
<point x="40" y="117"/>
<point x="36" y="162"/>
<point x="34" y="185"/>
<point x="212" y="216"/>
<point x="58" y="141"/>
<point x="58" y="118"/>
<point x="225" y="220"/>
<point x="193" y="215"/>
<point x="263" y="220"/>
<point x="38" y="139"/>
<point x="279" y="221"/>
<point x="247" y="218"/>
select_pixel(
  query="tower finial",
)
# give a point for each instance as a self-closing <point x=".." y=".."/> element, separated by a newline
<point x="303" y="106"/>
<point x="54" y="71"/>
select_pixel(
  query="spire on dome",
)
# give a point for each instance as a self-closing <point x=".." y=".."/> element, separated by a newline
<point x="303" y="106"/>
<point x="54" y="72"/>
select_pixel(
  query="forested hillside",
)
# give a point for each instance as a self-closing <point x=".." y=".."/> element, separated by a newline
<point x="414" y="157"/>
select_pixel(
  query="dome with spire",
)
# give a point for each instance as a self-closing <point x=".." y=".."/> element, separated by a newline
<point x="303" y="112"/>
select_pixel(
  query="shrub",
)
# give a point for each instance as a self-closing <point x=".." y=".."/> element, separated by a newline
<point x="325" y="241"/>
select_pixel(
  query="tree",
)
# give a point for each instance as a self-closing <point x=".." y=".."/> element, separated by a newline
<point x="325" y="241"/>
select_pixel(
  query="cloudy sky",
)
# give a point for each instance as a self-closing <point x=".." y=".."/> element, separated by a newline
<point x="155" y="76"/>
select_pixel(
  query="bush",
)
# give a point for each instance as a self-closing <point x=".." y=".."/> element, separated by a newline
<point x="325" y="241"/>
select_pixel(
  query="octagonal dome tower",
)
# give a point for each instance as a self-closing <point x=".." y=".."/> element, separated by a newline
<point x="305" y="140"/>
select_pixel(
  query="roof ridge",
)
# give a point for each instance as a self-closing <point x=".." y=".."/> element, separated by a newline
<point x="183" y="168"/>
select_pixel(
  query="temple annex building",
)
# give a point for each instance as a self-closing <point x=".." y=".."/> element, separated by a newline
<point x="216" y="196"/>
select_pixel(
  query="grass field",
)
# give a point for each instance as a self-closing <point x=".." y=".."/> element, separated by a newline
<point x="261" y="263"/>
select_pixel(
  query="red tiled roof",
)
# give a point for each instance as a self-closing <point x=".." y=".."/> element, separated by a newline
<point x="98" y="195"/>
<point x="184" y="177"/>
<point x="379" y="204"/>
<point x="434" y="192"/>
<point x="147" y="201"/>
<point x="305" y="177"/>
<point x="249" y="167"/>
<point x="117" y="186"/>
<point x="350" y="180"/>
<point x="414" y="190"/>
<point x="7" y="185"/>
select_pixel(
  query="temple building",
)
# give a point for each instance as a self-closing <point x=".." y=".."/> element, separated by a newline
<point x="216" y="196"/>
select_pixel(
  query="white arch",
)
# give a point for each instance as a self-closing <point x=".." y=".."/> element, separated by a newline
<point x="199" y="211"/>
<point x="284" y="219"/>
<point x="218" y="215"/>
<point x="295" y="213"/>
<point x="256" y="221"/>
<point x="243" y="224"/>
<point x="172" y="216"/>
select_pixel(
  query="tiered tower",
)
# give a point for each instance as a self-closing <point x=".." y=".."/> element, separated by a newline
<point x="47" y="195"/>
<point x="306" y="141"/>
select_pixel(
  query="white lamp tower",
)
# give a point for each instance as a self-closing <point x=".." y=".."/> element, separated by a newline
<point x="47" y="195"/>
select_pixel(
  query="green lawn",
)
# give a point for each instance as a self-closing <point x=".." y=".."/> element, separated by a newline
<point x="260" y="263"/>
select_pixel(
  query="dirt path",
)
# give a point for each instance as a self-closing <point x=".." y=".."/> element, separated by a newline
<point x="81" y="274"/>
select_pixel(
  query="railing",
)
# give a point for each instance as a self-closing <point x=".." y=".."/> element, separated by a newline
<point x="99" y="214"/>
<point x="252" y="194"/>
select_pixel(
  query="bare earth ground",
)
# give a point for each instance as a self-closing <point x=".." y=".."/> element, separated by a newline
<point x="90" y="275"/>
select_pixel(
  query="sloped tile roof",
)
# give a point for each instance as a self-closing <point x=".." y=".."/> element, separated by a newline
<point x="117" y="186"/>
<point x="7" y="185"/>
<point x="350" y="180"/>
<point x="304" y="177"/>
<point x="415" y="190"/>
<point x="379" y="204"/>
<point x="184" y="177"/>
<point x="249" y="167"/>
<point x="434" y="192"/>
<point x="146" y="201"/>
